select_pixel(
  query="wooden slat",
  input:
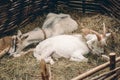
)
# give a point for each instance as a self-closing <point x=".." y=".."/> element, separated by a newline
<point x="27" y="8"/>
<point x="94" y="70"/>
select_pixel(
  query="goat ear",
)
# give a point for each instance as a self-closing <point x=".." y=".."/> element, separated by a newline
<point x="24" y="37"/>
<point x="97" y="34"/>
<point x="19" y="33"/>
<point x="108" y="34"/>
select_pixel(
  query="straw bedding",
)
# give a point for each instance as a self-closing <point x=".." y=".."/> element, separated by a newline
<point x="26" y="67"/>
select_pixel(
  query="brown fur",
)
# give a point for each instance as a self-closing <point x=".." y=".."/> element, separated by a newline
<point x="44" y="70"/>
<point x="5" y="42"/>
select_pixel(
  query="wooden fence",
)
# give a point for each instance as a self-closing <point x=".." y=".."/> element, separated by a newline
<point x="113" y="74"/>
<point x="20" y="12"/>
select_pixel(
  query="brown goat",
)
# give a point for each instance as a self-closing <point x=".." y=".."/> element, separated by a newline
<point x="5" y="43"/>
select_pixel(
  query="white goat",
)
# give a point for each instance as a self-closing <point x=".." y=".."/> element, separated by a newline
<point x="73" y="47"/>
<point x="60" y="23"/>
<point x="55" y="24"/>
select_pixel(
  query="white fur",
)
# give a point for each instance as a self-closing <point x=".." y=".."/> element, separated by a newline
<point x="55" y="24"/>
<point x="67" y="46"/>
<point x="73" y="47"/>
<point x="61" y="24"/>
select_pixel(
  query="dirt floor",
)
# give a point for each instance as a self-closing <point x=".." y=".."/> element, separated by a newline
<point x="27" y="68"/>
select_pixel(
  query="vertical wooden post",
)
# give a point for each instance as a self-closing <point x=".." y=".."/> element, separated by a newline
<point x="112" y="61"/>
<point x="113" y="64"/>
<point x="94" y="70"/>
<point x="44" y="70"/>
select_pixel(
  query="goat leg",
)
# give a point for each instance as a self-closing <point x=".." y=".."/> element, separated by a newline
<point x="2" y="53"/>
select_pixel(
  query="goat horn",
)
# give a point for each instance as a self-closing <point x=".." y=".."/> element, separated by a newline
<point x="97" y="34"/>
<point x="104" y="30"/>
